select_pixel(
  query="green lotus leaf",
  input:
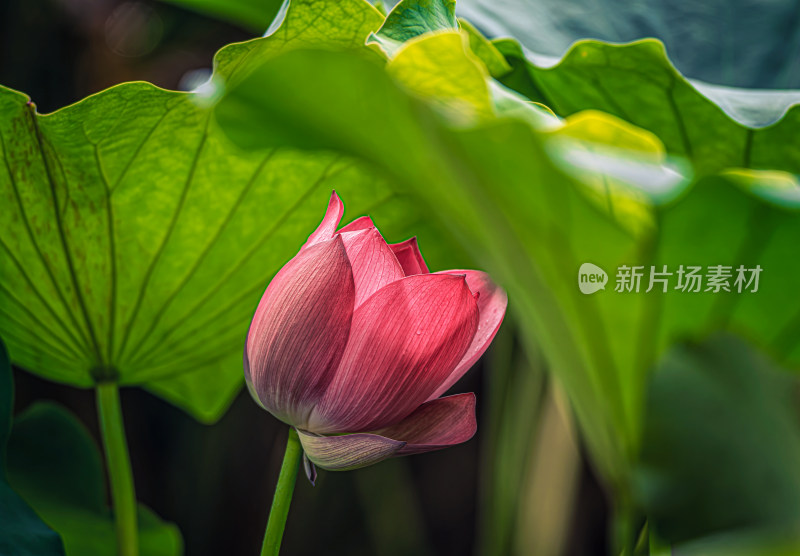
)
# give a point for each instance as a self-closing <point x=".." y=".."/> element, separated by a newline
<point x="136" y="240"/>
<point x="738" y="43"/>
<point x="715" y="127"/>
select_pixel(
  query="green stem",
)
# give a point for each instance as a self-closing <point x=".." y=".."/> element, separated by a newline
<point x="624" y="528"/>
<point x="283" y="496"/>
<point x="119" y="468"/>
<point x="659" y="547"/>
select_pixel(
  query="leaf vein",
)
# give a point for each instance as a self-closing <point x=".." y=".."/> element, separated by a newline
<point x="155" y="352"/>
<point x="157" y="257"/>
<point x="80" y="343"/>
<point x="190" y="274"/>
<point x="62" y="235"/>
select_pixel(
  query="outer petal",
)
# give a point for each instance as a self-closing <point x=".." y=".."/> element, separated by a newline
<point x="492" y="302"/>
<point x="329" y="223"/>
<point x="410" y="257"/>
<point x="404" y="342"/>
<point x="435" y="425"/>
<point x="360" y="223"/>
<point x="300" y="330"/>
<point x="349" y="451"/>
<point x="374" y="265"/>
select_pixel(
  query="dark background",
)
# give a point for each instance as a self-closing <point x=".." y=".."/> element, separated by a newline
<point x="216" y="482"/>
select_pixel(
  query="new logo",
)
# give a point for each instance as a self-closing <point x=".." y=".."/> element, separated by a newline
<point x="591" y="278"/>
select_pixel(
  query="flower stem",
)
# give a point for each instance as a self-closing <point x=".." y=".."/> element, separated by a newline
<point x="283" y="496"/>
<point x="119" y="468"/>
<point x="624" y="526"/>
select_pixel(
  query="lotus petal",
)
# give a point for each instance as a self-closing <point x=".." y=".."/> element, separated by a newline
<point x="373" y="263"/>
<point x="492" y="302"/>
<point x="327" y="228"/>
<point x="348" y="451"/>
<point x="435" y="425"/>
<point x="404" y="342"/>
<point x="299" y="332"/>
<point x="410" y="257"/>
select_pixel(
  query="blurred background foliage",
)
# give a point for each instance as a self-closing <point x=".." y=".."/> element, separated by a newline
<point x="530" y="482"/>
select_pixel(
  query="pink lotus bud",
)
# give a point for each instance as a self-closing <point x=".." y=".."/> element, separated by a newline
<point x="354" y="341"/>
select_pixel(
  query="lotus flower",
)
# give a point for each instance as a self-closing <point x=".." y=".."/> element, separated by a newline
<point x="354" y="341"/>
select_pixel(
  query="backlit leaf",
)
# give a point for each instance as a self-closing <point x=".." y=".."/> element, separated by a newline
<point x="136" y="240"/>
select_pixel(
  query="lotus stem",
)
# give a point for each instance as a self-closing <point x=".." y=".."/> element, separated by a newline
<point x="283" y="496"/>
<point x="118" y="464"/>
<point x="624" y="526"/>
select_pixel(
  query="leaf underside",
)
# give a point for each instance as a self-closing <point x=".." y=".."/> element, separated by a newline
<point x="136" y="240"/>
